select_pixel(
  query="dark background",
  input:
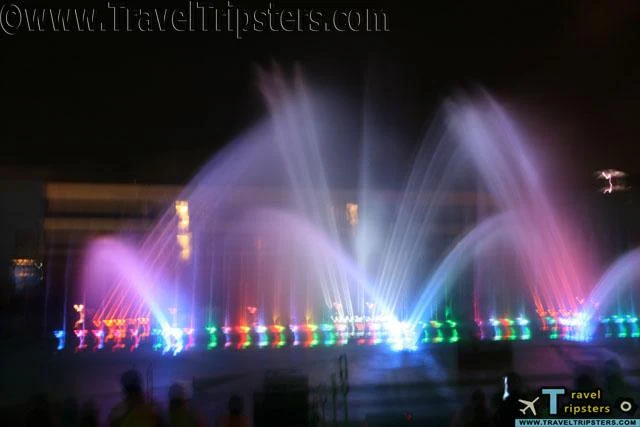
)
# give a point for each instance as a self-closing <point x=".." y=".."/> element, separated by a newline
<point x="153" y="107"/>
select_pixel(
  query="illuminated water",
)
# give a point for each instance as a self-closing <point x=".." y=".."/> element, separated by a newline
<point x="260" y="241"/>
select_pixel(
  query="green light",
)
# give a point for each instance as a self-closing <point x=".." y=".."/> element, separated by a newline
<point x="213" y="337"/>
<point x="632" y="320"/>
<point x="454" y="336"/>
<point x="425" y="338"/>
<point x="314" y="340"/>
<point x="438" y="338"/>
<point x="622" y="331"/>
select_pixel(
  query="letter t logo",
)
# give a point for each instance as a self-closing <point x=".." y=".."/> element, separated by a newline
<point x="553" y="398"/>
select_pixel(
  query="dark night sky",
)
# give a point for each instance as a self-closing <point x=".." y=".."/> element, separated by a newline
<point x="152" y="107"/>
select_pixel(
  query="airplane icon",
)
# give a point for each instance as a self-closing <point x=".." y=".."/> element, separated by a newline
<point x="528" y="405"/>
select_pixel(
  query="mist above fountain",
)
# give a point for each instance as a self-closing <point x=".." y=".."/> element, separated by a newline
<point x="260" y="240"/>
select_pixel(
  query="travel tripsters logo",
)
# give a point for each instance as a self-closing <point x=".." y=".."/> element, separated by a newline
<point x="556" y="406"/>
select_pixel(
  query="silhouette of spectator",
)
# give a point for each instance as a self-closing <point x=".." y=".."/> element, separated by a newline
<point x="475" y="413"/>
<point x="615" y="385"/>
<point x="508" y="408"/>
<point x="88" y="415"/>
<point x="235" y="417"/>
<point x="39" y="412"/>
<point x="180" y="415"/>
<point x="585" y="381"/>
<point x="133" y="410"/>
<point x="69" y="412"/>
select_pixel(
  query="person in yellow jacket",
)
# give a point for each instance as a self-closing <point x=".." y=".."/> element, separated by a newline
<point x="134" y="410"/>
<point x="180" y="414"/>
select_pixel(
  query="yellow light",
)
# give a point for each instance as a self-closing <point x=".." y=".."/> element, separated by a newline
<point x="183" y="236"/>
<point x="183" y="224"/>
<point x="184" y="240"/>
<point x="182" y="208"/>
<point x="352" y="213"/>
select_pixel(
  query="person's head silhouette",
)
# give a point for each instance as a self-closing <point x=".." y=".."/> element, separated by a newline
<point x="131" y="383"/>
<point x="236" y="405"/>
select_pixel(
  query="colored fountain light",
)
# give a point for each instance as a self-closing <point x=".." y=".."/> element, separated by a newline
<point x="134" y="333"/>
<point x="213" y="337"/>
<point x="173" y="340"/>
<point x="81" y="334"/>
<point x="311" y="335"/>
<point x="632" y="321"/>
<point x="119" y="334"/>
<point x="279" y="338"/>
<point x="497" y="331"/>
<point x="158" y="343"/>
<point x="327" y="327"/>
<point x="79" y="308"/>
<point x="453" y="331"/>
<point x="296" y="334"/>
<point x="316" y="257"/>
<point x="525" y="329"/>
<point x="402" y="336"/>
<point x="243" y="335"/>
<point x="439" y="337"/>
<point x="191" y="338"/>
<point x="506" y="328"/>
<point x="60" y="335"/>
<point x="263" y="336"/>
<point x="613" y="180"/>
<point x="436" y="331"/>
<point x="620" y="326"/>
<point x="99" y="338"/>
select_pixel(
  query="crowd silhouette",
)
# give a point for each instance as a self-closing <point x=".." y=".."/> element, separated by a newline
<point x="134" y="410"/>
<point x="137" y="410"/>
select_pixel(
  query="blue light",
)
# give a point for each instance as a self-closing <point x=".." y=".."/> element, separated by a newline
<point x="173" y="340"/>
<point x="60" y="335"/>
